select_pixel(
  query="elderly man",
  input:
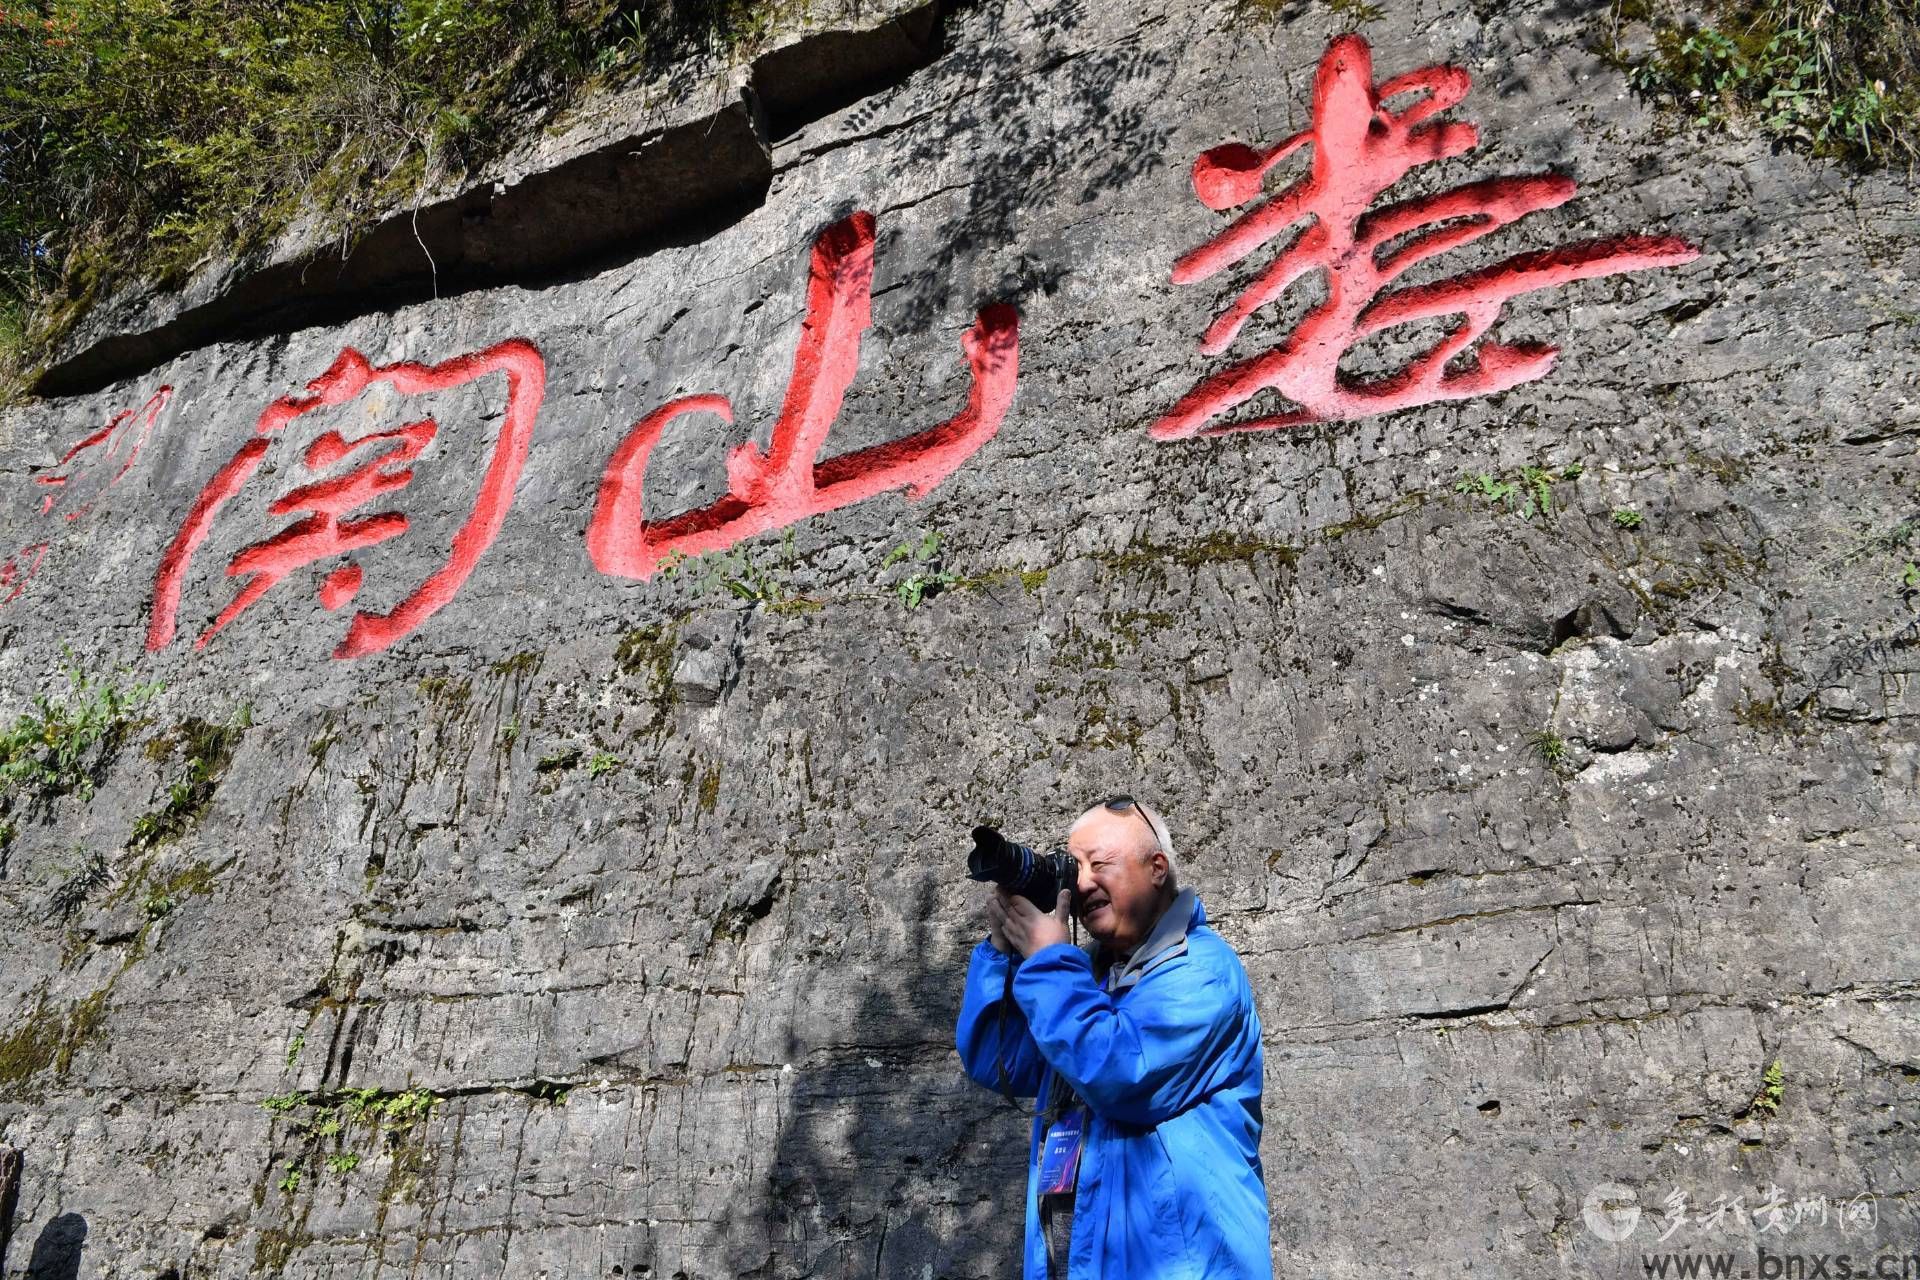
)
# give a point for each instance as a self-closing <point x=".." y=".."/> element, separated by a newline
<point x="1145" y="1159"/>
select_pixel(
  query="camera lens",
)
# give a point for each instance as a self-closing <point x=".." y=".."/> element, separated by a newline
<point x="1039" y="878"/>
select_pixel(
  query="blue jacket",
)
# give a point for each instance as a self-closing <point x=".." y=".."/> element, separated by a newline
<point x="1169" y="1064"/>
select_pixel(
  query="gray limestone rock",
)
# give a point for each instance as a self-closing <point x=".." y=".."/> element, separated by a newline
<point x="608" y="927"/>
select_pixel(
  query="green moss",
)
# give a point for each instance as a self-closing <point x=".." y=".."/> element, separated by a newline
<point x="450" y="692"/>
<point x="710" y="790"/>
<point x="274" y="1247"/>
<point x="48" y="1038"/>
<point x="520" y="664"/>
<point x="1767" y="717"/>
<point x="84" y="1022"/>
<point x="191" y="881"/>
<point x="208" y="751"/>
<point x="1361" y="524"/>
<point x="317" y="749"/>
<point x="1679" y="588"/>
<point x="32" y="1045"/>
<point x="1135" y="625"/>
<point x="648" y="651"/>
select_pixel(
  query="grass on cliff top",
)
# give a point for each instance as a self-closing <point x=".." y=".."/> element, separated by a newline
<point x="1839" y="78"/>
<point x="136" y="136"/>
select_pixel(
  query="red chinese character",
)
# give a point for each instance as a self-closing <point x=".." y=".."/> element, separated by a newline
<point x="77" y="481"/>
<point x="1361" y="148"/>
<point x="785" y="484"/>
<point x="324" y="529"/>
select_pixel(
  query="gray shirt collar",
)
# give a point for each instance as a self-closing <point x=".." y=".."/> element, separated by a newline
<point x="1167" y="940"/>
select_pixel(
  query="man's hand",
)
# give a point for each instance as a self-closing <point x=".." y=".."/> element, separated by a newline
<point x="997" y="919"/>
<point x="1015" y="924"/>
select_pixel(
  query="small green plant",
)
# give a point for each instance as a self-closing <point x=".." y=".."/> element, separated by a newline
<point x="735" y="572"/>
<point x="550" y="1091"/>
<point x="1626" y="517"/>
<point x="281" y="1103"/>
<point x="1910" y="576"/>
<point x="926" y="573"/>
<point x="602" y="762"/>
<point x="1551" y="746"/>
<point x="294" y="1047"/>
<point x="1772" y="1088"/>
<point x="510" y="730"/>
<point x="345" y="1162"/>
<point x="628" y="45"/>
<point x="290" y="1182"/>
<point x="66" y="742"/>
<point x="404" y="1109"/>
<point x="157" y="905"/>
<point x="359" y="1102"/>
<point x="1530" y="491"/>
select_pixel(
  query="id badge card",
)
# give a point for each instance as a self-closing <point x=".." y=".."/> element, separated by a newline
<point x="1060" y="1153"/>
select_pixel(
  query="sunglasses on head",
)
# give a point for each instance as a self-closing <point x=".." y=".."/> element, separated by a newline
<point x="1126" y="804"/>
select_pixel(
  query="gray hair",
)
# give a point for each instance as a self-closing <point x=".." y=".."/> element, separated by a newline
<point x="1161" y="836"/>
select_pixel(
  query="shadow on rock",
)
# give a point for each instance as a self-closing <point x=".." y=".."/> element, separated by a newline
<point x="56" y="1254"/>
<point x="892" y="1163"/>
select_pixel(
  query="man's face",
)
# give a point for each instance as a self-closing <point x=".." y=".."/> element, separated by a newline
<point x="1121" y="888"/>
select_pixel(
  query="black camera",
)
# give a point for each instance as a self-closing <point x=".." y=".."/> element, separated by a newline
<point x="1037" y="877"/>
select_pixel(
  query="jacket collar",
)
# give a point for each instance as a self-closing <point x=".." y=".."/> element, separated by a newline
<point x="1167" y="940"/>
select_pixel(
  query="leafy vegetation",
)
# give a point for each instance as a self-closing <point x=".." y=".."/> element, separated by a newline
<point x="926" y="574"/>
<point x="65" y="743"/>
<point x="735" y="571"/>
<point x="138" y="135"/>
<point x="1836" y="77"/>
<point x="1531" y="490"/>
<point x="1627" y="518"/>
<point x="1773" y="1087"/>
<point x="1551" y="746"/>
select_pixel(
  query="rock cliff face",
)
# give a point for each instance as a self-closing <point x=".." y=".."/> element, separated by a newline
<point x="550" y="862"/>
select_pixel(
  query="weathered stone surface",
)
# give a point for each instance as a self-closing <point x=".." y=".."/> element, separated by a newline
<point x="656" y="887"/>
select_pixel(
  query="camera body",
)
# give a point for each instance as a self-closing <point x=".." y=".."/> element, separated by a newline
<point x="1037" y="877"/>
